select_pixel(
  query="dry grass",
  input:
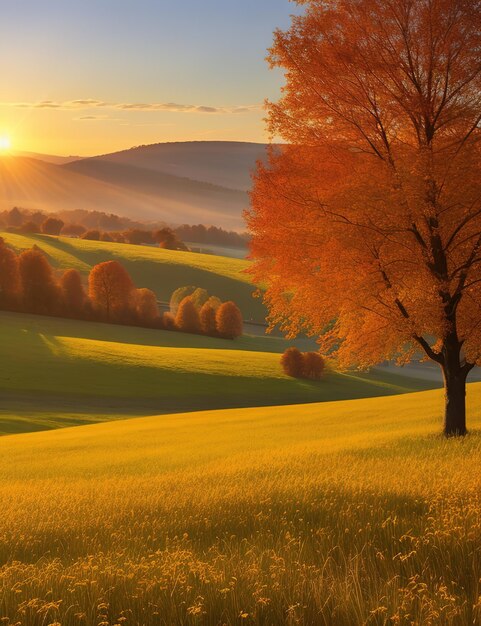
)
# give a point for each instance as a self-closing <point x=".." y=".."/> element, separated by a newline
<point x="344" y="513"/>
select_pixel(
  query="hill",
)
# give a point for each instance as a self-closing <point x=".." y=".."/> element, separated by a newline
<point x="182" y="199"/>
<point x="314" y="514"/>
<point x="225" y="163"/>
<point x="62" y="372"/>
<point x="48" y="158"/>
<point x="121" y="189"/>
<point x="163" y="271"/>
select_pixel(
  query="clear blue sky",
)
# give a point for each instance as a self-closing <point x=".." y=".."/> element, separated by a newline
<point x="125" y="53"/>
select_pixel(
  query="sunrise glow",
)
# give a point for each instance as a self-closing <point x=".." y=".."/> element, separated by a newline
<point x="5" y="143"/>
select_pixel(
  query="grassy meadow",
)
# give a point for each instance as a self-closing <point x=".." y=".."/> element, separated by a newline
<point x="331" y="503"/>
<point x="61" y="372"/>
<point x="345" y="513"/>
<point x="163" y="271"/>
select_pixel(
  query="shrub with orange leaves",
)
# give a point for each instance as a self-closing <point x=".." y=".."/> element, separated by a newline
<point x="10" y="286"/>
<point x="73" y="292"/>
<point x="312" y="365"/>
<point x="292" y="362"/>
<point x="40" y="292"/>
<point x="146" y="308"/>
<point x="229" y="320"/>
<point x="187" y="318"/>
<point x="207" y="320"/>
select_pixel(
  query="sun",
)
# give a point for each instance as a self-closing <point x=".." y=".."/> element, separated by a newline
<point x="5" y="143"/>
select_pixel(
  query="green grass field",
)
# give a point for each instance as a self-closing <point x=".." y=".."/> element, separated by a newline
<point x="341" y="513"/>
<point x="163" y="271"/>
<point x="62" y="372"/>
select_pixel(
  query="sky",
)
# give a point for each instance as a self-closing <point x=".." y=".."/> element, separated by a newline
<point x="85" y="77"/>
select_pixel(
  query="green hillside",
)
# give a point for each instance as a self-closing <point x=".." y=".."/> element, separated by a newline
<point x="341" y="513"/>
<point x="81" y="371"/>
<point x="163" y="271"/>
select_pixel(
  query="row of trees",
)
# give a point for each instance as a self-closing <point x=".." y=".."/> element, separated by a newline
<point x="213" y="317"/>
<point x="163" y="237"/>
<point x="28" y="283"/>
<point x="100" y="226"/>
<point x="299" y="364"/>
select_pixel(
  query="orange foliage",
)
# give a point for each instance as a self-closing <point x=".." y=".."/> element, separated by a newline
<point x="74" y="296"/>
<point x="292" y="362"/>
<point x="146" y="307"/>
<point x="207" y="320"/>
<point x="39" y="288"/>
<point x="371" y="218"/>
<point x="313" y="365"/>
<point x="110" y="291"/>
<point x="9" y="277"/>
<point x="168" y="321"/>
<point x="187" y="317"/>
<point x="229" y="320"/>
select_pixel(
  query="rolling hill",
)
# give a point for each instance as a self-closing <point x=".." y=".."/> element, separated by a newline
<point x="64" y="372"/>
<point x="337" y="513"/>
<point x="122" y="189"/>
<point x="163" y="271"/>
<point x="225" y="163"/>
<point x="191" y="182"/>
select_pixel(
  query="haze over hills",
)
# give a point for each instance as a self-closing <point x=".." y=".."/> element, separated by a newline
<point x="225" y="163"/>
<point x="48" y="158"/>
<point x="192" y="182"/>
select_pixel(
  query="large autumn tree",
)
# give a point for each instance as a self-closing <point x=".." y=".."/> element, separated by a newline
<point x="368" y="221"/>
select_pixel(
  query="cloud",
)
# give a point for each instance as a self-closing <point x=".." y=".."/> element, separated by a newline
<point x="96" y="118"/>
<point x="90" y="103"/>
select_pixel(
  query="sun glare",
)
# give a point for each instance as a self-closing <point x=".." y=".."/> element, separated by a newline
<point x="5" y="143"/>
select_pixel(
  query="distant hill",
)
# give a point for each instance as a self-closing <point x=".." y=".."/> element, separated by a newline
<point x="48" y="158"/>
<point x="140" y="194"/>
<point x="225" y="163"/>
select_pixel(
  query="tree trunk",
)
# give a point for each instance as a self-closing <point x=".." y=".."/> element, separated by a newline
<point x="455" y="408"/>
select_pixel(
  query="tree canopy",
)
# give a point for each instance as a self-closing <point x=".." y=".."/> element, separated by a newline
<point x="368" y="221"/>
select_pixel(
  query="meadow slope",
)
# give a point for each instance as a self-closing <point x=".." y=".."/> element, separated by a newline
<point x="163" y="271"/>
<point x="61" y="372"/>
<point x="345" y="513"/>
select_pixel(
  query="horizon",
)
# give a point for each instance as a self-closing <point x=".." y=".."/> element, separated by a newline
<point x="146" y="76"/>
<point x="11" y="151"/>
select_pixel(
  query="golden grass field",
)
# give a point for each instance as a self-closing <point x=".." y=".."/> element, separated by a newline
<point x="342" y="513"/>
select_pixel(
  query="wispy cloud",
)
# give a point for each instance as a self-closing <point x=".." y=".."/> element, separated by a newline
<point x="89" y="103"/>
<point x="98" y="118"/>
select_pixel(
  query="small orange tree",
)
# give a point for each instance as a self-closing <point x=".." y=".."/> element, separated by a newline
<point x="292" y="362"/>
<point x="313" y="365"/>
<point x="110" y="291"/>
<point x="187" y="318"/>
<point x="207" y="320"/>
<point x="370" y="217"/>
<point x="39" y="288"/>
<point x="74" y="296"/>
<point x="229" y="320"/>
<point x="146" y="307"/>
<point x="9" y="277"/>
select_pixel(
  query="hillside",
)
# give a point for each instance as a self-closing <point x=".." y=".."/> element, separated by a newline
<point x="298" y="514"/>
<point x="124" y="190"/>
<point x="163" y="271"/>
<point x="79" y="372"/>
<point x="225" y="163"/>
<point x="183" y="200"/>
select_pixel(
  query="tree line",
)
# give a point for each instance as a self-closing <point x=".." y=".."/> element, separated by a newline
<point x="28" y="283"/>
<point x="99" y="226"/>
